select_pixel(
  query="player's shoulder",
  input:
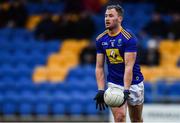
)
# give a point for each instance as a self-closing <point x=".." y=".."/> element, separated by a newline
<point x="127" y="33"/>
<point x="101" y="35"/>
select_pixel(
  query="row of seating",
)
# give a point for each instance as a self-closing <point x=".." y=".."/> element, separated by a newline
<point x="162" y="91"/>
<point x="60" y="103"/>
<point x="59" y="64"/>
<point x="169" y="56"/>
<point x="131" y="16"/>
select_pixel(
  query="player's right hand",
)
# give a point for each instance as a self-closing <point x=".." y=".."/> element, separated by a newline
<point x="99" y="98"/>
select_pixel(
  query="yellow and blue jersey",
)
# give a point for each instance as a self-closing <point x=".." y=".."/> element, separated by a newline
<point x="114" y="47"/>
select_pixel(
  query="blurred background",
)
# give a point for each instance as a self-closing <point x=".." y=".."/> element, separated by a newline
<point x="47" y="57"/>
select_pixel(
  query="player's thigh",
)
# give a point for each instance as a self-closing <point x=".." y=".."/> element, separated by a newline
<point x="119" y="113"/>
<point x="135" y="113"/>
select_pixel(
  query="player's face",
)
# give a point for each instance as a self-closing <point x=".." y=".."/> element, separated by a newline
<point x="112" y="19"/>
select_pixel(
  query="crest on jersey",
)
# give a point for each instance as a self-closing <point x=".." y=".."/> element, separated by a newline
<point x="114" y="56"/>
<point x="104" y="43"/>
<point x="119" y="42"/>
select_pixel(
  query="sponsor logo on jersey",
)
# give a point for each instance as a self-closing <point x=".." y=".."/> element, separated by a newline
<point x="114" y="56"/>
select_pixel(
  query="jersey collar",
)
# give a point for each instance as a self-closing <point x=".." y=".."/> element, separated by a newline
<point x="112" y="35"/>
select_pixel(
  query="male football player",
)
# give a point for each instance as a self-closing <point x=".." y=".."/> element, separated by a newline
<point x="118" y="46"/>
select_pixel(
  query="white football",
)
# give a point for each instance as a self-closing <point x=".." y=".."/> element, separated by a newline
<point x="114" y="97"/>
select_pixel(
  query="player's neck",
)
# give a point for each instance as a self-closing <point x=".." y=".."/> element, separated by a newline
<point x="115" y="31"/>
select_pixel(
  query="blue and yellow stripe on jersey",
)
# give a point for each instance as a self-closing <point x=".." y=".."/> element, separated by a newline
<point x="126" y="34"/>
<point x="102" y="34"/>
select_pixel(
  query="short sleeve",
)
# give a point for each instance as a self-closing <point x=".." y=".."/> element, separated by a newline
<point x="131" y="45"/>
<point x="99" y="48"/>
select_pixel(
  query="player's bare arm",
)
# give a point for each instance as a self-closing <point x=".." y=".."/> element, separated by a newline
<point x="99" y="98"/>
<point x="100" y="71"/>
<point x="129" y="59"/>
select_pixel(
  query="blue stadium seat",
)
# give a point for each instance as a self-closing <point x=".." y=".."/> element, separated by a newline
<point x="77" y="72"/>
<point x="76" y="109"/>
<point x="21" y="57"/>
<point x="42" y="103"/>
<point x="46" y="86"/>
<point x="58" y="108"/>
<point x="161" y="90"/>
<point x="90" y="103"/>
<point x="6" y="58"/>
<point x="161" y="87"/>
<point x="78" y="103"/>
<point x="62" y="87"/>
<point x="7" y="84"/>
<point x="89" y="71"/>
<point x="148" y="92"/>
<point x="40" y="59"/>
<point x="55" y="8"/>
<point x="59" y="99"/>
<point x="52" y="46"/>
<point x="91" y="109"/>
<point x="21" y="32"/>
<point x="23" y="71"/>
<point x="26" y="102"/>
<point x="63" y="96"/>
<point x="25" y="84"/>
<point x="23" y="46"/>
<point x="174" y="91"/>
<point x="10" y="103"/>
<point x="7" y="71"/>
<point x="77" y="85"/>
<point x="6" y="32"/>
<point x="1" y="100"/>
<point x="90" y="82"/>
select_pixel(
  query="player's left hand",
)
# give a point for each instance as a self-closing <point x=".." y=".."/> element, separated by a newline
<point x="99" y="98"/>
<point x="126" y="96"/>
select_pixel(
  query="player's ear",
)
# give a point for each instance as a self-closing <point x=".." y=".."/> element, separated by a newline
<point x="120" y="18"/>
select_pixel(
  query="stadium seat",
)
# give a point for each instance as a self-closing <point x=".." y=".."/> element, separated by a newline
<point x="6" y="58"/>
<point x="53" y="46"/>
<point x="63" y="86"/>
<point x="25" y="85"/>
<point x="8" y="70"/>
<point x="77" y="84"/>
<point x="90" y="107"/>
<point x="23" y="70"/>
<point x="56" y="74"/>
<point x="21" y="58"/>
<point x="90" y="82"/>
<point x="76" y="72"/>
<point x="148" y="92"/>
<point x="40" y="74"/>
<point x="1" y="99"/>
<point x="10" y="102"/>
<point x="58" y="109"/>
<point x="174" y="89"/>
<point x="161" y="91"/>
<point x="46" y="86"/>
<point x="42" y="103"/>
<point x="76" y="109"/>
<point x="26" y="103"/>
<point x="33" y="21"/>
<point x="55" y="59"/>
<point x="61" y="98"/>
<point x="78" y="105"/>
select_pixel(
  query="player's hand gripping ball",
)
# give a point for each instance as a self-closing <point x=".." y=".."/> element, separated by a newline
<point x="114" y="97"/>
